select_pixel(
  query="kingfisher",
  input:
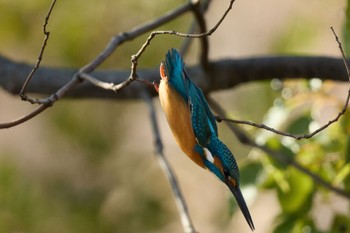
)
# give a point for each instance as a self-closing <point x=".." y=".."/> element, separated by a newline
<point x="194" y="126"/>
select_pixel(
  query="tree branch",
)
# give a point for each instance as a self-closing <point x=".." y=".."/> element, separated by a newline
<point x="276" y="155"/>
<point x="225" y="74"/>
<point x="198" y="12"/>
<point x="133" y="33"/>
<point x="40" y="57"/>
<point x="114" y="43"/>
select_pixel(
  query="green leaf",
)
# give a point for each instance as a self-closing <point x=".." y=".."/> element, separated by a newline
<point x="275" y="144"/>
<point x="311" y="154"/>
<point x="286" y="225"/>
<point x="249" y="173"/>
<point x="295" y="224"/>
<point x="300" y="125"/>
<point x="342" y="174"/>
<point x="268" y="182"/>
<point x="297" y="198"/>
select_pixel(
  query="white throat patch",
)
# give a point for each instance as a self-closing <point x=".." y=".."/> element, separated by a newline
<point x="208" y="155"/>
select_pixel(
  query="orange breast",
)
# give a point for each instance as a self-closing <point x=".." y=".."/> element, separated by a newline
<point x="179" y="119"/>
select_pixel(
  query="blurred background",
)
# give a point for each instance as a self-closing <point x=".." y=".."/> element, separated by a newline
<point x="89" y="165"/>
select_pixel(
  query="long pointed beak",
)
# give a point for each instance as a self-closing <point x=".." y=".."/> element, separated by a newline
<point x="242" y="205"/>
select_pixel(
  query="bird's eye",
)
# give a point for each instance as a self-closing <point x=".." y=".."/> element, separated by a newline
<point x="229" y="178"/>
<point x="226" y="173"/>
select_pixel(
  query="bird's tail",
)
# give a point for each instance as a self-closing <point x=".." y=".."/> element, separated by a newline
<point x="174" y="63"/>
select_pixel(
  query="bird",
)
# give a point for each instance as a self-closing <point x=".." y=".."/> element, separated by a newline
<point x="194" y="126"/>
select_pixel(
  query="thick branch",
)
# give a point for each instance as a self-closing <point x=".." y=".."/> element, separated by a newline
<point x="225" y="74"/>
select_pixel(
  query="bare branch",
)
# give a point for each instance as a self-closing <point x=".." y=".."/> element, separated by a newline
<point x="114" y="43"/>
<point x="180" y="34"/>
<point x="199" y="16"/>
<point x="304" y="136"/>
<point x="202" y="7"/>
<point x="68" y="86"/>
<point x="44" y="105"/>
<point x="287" y="160"/>
<point x="24" y="118"/>
<point x="298" y="137"/>
<point x="134" y="58"/>
<point x="187" y="42"/>
<point x="165" y="165"/>
<point x="132" y="34"/>
<point x="342" y="52"/>
<point x="40" y="57"/>
<point x="225" y="74"/>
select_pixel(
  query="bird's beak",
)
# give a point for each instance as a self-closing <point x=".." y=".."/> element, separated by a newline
<point x="242" y="205"/>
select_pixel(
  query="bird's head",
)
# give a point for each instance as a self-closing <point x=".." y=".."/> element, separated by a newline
<point x="220" y="161"/>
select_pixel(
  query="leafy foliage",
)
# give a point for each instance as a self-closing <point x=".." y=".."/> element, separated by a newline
<point x="326" y="155"/>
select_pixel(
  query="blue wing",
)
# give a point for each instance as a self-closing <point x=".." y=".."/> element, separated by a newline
<point x="211" y="118"/>
<point x="203" y="120"/>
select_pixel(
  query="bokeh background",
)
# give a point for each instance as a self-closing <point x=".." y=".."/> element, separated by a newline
<point x="89" y="165"/>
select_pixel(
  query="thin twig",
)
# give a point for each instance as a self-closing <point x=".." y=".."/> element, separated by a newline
<point x="186" y="43"/>
<point x="40" y="57"/>
<point x="132" y="34"/>
<point x="342" y="52"/>
<point x="49" y="101"/>
<point x="118" y="40"/>
<point x="134" y="58"/>
<point x="198" y="12"/>
<point x="98" y="83"/>
<point x="76" y="79"/>
<point x="245" y="139"/>
<point x="110" y="48"/>
<point x="204" y="5"/>
<point x="165" y="165"/>
<point x="24" y="118"/>
<point x="304" y="136"/>
<point x="180" y="34"/>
